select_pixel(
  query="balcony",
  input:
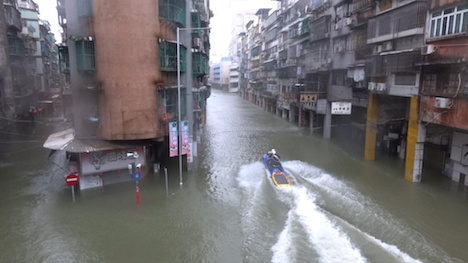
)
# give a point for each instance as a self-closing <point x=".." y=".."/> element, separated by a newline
<point x="167" y="104"/>
<point x="16" y="46"/>
<point x="405" y="21"/>
<point x="320" y="28"/>
<point x="12" y="17"/>
<point x="196" y="23"/>
<point x="64" y="59"/>
<point x="168" y="57"/>
<point x="85" y="56"/>
<point x="173" y="10"/>
<point x="200" y="64"/>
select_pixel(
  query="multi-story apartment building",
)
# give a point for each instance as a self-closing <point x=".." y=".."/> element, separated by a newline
<point x="221" y="74"/>
<point x="444" y="89"/>
<point x="388" y="74"/>
<point x="233" y="78"/>
<point x="32" y="61"/>
<point x="123" y="75"/>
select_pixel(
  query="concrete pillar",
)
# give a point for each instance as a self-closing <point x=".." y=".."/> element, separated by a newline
<point x="327" y="122"/>
<point x="292" y="111"/>
<point x="301" y="117"/>
<point x="371" y="127"/>
<point x="311" y="121"/>
<point x="414" y="144"/>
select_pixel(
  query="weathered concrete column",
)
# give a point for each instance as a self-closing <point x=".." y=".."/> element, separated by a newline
<point x="291" y="114"/>
<point x="414" y="144"/>
<point x="371" y="127"/>
<point x="301" y="117"/>
<point x="327" y="122"/>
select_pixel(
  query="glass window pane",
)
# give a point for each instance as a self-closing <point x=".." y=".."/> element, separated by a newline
<point x="457" y="23"/>
<point x="432" y="28"/>
<point x="437" y="33"/>
<point x="450" y="26"/>
<point x="444" y="26"/>
<point x="465" y="22"/>
<point x="436" y="14"/>
<point x="464" y="7"/>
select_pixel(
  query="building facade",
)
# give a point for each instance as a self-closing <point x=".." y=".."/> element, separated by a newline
<point x="123" y="76"/>
<point x="389" y="75"/>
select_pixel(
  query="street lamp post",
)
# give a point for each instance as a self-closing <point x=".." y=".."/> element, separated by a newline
<point x="179" y="121"/>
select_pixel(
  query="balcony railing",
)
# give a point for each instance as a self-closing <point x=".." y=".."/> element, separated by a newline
<point x="85" y="55"/>
<point x="173" y="10"/>
<point x="16" y="46"/>
<point x="199" y="62"/>
<point x="64" y="59"/>
<point x="13" y="17"/>
<point x="168" y="57"/>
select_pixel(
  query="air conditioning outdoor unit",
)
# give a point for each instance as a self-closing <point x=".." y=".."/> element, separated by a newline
<point x="381" y="87"/>
<point x="441" y="103"/>
<point x="428" y="49"/>
<point x="349" y="21"/>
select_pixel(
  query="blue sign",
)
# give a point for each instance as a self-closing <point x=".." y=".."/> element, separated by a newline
<point x="136" y="176"/>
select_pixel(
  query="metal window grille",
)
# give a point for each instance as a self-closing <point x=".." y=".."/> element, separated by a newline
<point x="85" y="55"/>
<point x="167" y="103"/>
<point x="16" y="46"/>
<point x="173" y="10"/>
<point x="64" y="59"/>
<point x="168" y="57"/>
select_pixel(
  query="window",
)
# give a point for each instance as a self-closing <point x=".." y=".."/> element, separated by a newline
<point x="405" y="79"/>
<point x="85" y="55"/>
<point x="450" y="21"/>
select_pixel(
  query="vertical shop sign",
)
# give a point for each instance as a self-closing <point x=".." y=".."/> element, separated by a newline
<point x="185" y="137"/>
<point x="173" y="139"/>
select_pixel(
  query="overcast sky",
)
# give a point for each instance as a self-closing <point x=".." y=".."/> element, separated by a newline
<point x="223" y="10"/>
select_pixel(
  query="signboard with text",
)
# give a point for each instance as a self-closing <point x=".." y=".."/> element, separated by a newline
<point x="185" y="136"/>
<point x="341" y="108"/>
<point x="173" y="139"/>
<point x="110" y="160"/>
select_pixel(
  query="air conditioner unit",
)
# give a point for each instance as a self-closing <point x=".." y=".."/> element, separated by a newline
<point x="381" y="86"/>
<point x="371" y="86"/>
<point x="441" y="103"/>
<point x="337" y="26"/>
<point x="428" y="49"/>
<point x="349" y="21"/>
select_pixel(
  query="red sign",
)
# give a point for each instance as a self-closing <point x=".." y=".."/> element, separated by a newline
<point x="72" y="179"/>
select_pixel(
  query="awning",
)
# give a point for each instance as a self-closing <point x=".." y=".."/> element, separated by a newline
<point x="66" y="140"/>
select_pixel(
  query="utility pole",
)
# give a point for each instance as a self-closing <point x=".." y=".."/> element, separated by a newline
<point x="6" y="83"/>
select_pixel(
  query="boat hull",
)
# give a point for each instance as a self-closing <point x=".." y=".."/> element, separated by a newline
<point x="277" y="173"/>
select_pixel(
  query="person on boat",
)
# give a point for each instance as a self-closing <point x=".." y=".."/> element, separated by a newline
<point x="273" y="159"/>
<point x="273" y="153"/>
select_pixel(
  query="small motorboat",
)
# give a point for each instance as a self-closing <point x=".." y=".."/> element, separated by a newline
<point x="275" y="169"/>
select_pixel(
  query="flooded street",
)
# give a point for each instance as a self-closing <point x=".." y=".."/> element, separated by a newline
<point x="340" y="208"/>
